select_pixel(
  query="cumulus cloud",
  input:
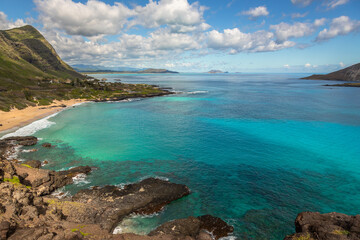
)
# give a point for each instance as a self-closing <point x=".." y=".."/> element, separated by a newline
<point x="334" y="3"/>
<point x="302" y="3"/>
<point x="96" y="17"/>
<point x="89" y="19"/>
<point x="161" y="44"/>
<point x="236" y="41"/>
<point x="178" y="14"/>
<point x="308" y="65"/>
<point x="284" y="31"/>
<point x="254" y="13"/>
<point x="7" y="24"/>
<point x="339" y="26"/>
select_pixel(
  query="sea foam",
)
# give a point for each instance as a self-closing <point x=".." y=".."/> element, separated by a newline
<point x="32" y="127"/>
<point x="197" y="92"/>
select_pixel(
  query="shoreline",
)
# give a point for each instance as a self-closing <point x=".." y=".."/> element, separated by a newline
<point x="15" y="118"/>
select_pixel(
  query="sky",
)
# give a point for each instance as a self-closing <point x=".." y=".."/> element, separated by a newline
<point x="313" y="36"/>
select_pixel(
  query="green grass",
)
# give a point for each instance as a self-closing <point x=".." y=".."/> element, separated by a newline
<point x="341" y="232"/>
<point x="25" y="165"/>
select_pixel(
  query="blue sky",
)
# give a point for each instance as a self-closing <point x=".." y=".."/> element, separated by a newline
<point x="195" y="36"/>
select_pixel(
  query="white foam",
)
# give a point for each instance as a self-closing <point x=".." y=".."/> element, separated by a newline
<point x="38" y="125"/>
<point x="156" y="177"/>
<point x="118" y="230"/>
<point x="197" y="92"/>
<point x="13" y="153"/>
<point x="78" y="104"/>
<point x="80" y="179"/>
<point x="228" y="238"/>
<point x="32" y="128"/>
<point x="60" y="193"/>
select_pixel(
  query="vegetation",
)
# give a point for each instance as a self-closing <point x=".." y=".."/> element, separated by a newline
<point x="25" y="165"/>
<point x="16" y="181"/>
<point x="31" y="73"/>
<point x="304" y="237"/>
<point x="341" y="232"/>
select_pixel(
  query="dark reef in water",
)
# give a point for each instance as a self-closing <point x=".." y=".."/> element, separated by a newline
<point x="28" y="211"/>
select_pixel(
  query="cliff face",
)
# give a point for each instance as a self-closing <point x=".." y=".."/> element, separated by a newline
<point x="351" y="73"/>
<point x="26" y="56"/>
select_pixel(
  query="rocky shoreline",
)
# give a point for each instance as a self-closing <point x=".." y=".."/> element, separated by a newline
<point x="28" y="211"/>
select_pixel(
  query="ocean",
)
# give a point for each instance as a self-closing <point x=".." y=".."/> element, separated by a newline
<point x="255" y="149"/>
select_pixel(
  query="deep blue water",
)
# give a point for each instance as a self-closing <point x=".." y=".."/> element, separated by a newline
<point x="255" y="149"/>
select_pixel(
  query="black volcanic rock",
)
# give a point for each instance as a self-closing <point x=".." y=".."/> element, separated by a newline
<point x="193" y="227"/>
<point x="108" y="205"/>
<point x="350" y="74"/>
<point x="329" y="226"/>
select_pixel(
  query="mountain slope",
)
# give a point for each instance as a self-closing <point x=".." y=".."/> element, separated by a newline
<point x="27" y="57"/>
<point x="351" y="73"/>
<point x="31" y="73"/>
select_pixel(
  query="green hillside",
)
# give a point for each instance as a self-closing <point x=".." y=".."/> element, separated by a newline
<point x="26" y="57"/>
<point x="32" y="73"/>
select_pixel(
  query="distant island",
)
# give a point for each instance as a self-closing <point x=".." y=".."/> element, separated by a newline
<point x="351" y="74"/>
<point x="216" y="71"/>
<point x="144" y="71"/>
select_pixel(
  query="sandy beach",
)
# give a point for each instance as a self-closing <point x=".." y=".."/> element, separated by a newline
<point x="18" y="118"/>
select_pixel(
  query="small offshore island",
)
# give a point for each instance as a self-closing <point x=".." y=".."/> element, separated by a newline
<point x="34" y="76"/>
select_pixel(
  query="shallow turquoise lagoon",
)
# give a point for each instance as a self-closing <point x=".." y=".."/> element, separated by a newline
<point x="255" y="149"/>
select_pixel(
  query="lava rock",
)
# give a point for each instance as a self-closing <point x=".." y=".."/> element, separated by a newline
<point x="329" y="226"/>
<point x="33" y="163"/>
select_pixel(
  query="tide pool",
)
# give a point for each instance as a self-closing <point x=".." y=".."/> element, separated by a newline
<point x="255" y="149"/>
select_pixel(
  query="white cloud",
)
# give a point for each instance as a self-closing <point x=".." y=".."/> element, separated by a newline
<point x="339" y="26"/>
<point x="342" y="64"/>
<point x="161" y="44"/>
<point x="90" y="19"/>
<point x="308" y="65"/>
<point x="236" y="41"/>
<point x="178" y="14"/>
<point x="287" y="66"/>
<point x="254" y="13"/>
<point x="284" y="31"/>
<point x="6" y="24"/>
<point x="95" y="17"/>
<point x="303" y="3"/>
<point x="299" y="15"/>
<point x="334" y="3"/>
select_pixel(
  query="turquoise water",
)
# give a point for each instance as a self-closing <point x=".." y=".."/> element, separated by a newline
<point x="254" y="149"/>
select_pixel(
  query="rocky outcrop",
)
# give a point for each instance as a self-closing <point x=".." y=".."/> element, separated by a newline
<point x="8" y="145"/>
<point x="44" y="181"/>
<point x="33" y="163"/>
<point x="203" y="227"/>
<point x="27" y="211"/>
<point x="351" y="73"/>
<point x="108" y="205"/>
<point x="329" y="226"/>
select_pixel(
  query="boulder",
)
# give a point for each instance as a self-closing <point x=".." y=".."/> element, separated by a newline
<point x="329" y="226"/>
<point x="33" y="163"/>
